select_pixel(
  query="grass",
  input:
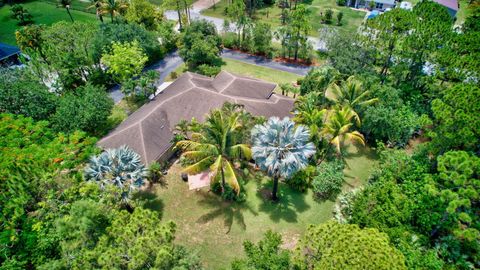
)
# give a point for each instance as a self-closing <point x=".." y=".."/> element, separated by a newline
<point x="254" y="71"/>
<point x="216" y="229"/>
<point x="350" y="22"/>
<point x="42" y="12"/>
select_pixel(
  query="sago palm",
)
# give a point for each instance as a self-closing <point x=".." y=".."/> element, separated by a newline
<point x="281" y="149"/>
<point x="216" y="147"/>
<point x="350" y="94"/>
<point x="338" y="128"/>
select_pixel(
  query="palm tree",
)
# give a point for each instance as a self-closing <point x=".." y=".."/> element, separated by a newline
<point x="113" y="7"/>
<point x="121" y="167"/>
<point x="308" y="113"/>
<point x="97" y="4"/>
<point x="216" y="147"/>
<point x="337" y="128"/>
<point x="281" y="149"/>
<point x="66" y="4"/>
<point x="350" y="94"/>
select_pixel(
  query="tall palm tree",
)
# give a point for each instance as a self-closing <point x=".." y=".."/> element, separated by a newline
<point x="350" y="94"/>
<point x="216" y="147"/>
<point x="113" y="7"/>
<point x="66" y="4"/>
<point x="338" y="128"/>
<point x="281" y="149"/>
<point x="97" y="4"/>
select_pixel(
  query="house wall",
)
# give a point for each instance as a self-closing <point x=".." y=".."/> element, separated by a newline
<point x="366" y="4"/>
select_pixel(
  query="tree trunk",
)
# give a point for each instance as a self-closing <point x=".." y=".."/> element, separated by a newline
<point x="179" y="16"/>
<point x="223" y="179"/>
<point x="69" y="14"/>
<point x="111" y="16"/>
<point x="186" y="11"/>
<point x="275" y="189"/>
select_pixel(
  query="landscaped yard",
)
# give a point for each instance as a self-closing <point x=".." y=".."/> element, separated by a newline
<point x="43" y="13"/>
<point x="216" y="229"/>
<point x="254" y="71"/>
<point x="350" y="22"/>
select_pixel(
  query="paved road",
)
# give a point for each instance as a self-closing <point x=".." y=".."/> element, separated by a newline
<point x="195" y="15"/>
<point x="262" y="61"/>
<point x="164" y="67"/>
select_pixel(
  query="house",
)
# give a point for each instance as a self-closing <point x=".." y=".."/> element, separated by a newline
<point x="377" y="4"/>
<point x="149" y="130"/>
<point x="452" y="6"/>
<point x="9" y="55"/>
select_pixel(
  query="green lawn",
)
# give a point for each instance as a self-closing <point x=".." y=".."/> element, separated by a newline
<point x="259" y="72"/>
<point x="43" y="13"/>
<point x="216" y="229"/>
<point x="350" y="22"/>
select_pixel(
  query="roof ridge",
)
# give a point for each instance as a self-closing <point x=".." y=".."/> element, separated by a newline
<point x="148" y="114"/>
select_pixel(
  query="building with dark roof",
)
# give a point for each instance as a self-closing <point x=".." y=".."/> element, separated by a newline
<point x="9" y="55"/>
<point x="149" y="130"/>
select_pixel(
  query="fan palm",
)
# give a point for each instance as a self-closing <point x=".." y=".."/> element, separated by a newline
<point x="113" y="7"/>
<point x="97" y="4"/>
<point x="66" y="4"/>
<point x="350" y="94"/>
<point x="338" y="128"/>
<point x="281" y="149"/>
<point x="216" y="146"/>
<point x="121" y="167"/>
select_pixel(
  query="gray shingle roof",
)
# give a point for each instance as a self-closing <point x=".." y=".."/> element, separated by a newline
<point x="149" y="130"/>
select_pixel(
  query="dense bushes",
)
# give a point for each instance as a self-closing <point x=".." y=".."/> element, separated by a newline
<point x="21" y="93"/>
<point x="87" y="109"/>
<point x="328" y="181"/>
<point x="200" y="48"/>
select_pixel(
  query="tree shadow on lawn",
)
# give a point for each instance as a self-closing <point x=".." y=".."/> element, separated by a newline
<point x="149" y="200"/>
<point x="232" y="212"/>
<point x="289" y="204"/>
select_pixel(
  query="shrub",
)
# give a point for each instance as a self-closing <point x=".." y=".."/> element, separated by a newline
<point x="328" y="182"/>
<point x="341" y="2"/>
<point x="230" y="40"/>
<point x="21" y="93"/>
<point x="328" y="16"/>
<point x="155" y="172"/>
<point x="302" y="179"/>
<point x="395" y="126"/>
<point x="87" y="109"/>
<point x="339" y="18"/>
<point x="208" y="70"/>
<point x="21" y="14"/>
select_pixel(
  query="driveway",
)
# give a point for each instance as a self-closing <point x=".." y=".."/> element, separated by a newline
<point x="165" y="66"/>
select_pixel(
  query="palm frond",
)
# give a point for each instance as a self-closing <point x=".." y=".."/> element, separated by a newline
<point x="200" y="166"/>
<point x="230" y="177"/>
